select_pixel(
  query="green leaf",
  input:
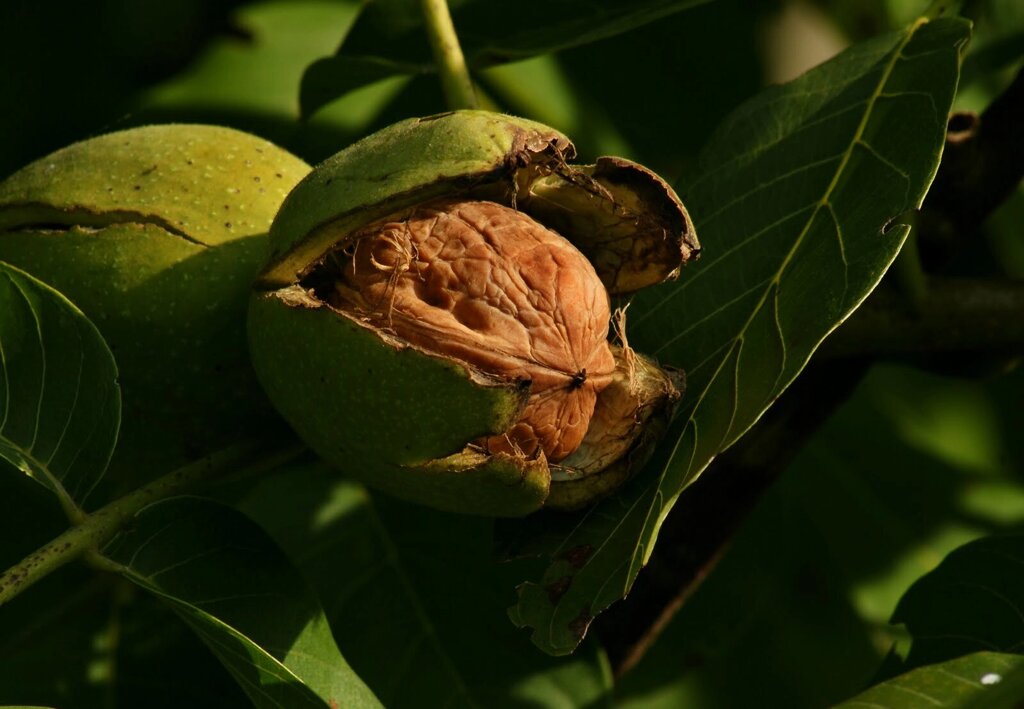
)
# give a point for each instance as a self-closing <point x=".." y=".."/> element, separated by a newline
<point x="60" y="406"/>
<point x="835" y="542"/>
<point x="252" y="84"/>
<point x="259" y="75"/>
<point x="994" y="57"/>
<point x="419" y="597"/>
<point x="795" y="207"/>
<point x="997" y="42"/>
<point x="388" y="38"/>
<point x="334" y="77"/>
<point x="973" y="681"/>
<point x="974" y="600"/>
<point x="228" y="580"/>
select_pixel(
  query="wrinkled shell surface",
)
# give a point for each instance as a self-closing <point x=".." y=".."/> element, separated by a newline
<point x="488" y="285"/>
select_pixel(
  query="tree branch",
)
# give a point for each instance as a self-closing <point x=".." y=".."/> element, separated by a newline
<point x="99" y="527"/>
<point x="958" y="315"/>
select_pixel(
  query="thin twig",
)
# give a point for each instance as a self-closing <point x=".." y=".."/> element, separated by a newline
<point x="706" y="518"/>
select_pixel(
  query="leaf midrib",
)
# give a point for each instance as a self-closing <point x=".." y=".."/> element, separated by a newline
<point x="823" y="203"/>
<point x="773" y="283"/>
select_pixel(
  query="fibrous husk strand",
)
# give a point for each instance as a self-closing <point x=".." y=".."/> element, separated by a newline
<point x="639" y="390"/>
<point x="628" y="356"/>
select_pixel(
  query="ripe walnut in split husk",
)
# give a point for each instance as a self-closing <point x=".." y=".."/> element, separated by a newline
<point x="435" y="317"/>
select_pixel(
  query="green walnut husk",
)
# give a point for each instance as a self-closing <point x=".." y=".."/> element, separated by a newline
<point x="157" y="233"/>
<point x="404" y="419"/>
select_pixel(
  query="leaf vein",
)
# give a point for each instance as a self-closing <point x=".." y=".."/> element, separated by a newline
<point x="7" y="381"/>
<point x="708" y="266"/>
<point x="708" y="218"/>
<point x="42" y="358"/>
<point x="74" y="404"/>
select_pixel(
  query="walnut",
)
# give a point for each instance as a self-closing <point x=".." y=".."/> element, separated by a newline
<point x="490" y="286"/>
<point x="433" y="319"/>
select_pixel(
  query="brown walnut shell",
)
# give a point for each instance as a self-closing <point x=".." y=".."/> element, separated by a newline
<point x="490" y="286"/>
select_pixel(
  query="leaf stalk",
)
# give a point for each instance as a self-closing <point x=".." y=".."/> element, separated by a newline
<point x="87" y="537"/>
<point x="451" y="64"/>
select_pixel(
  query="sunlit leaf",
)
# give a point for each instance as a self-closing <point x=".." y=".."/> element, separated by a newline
<point x="253" y="83"/>
<point x="228" y="580"/>
<point x="971" y="681"/>
<point x="60" y="406"/>
<point x="796" y="207"/>
<point x="261" y="72"/>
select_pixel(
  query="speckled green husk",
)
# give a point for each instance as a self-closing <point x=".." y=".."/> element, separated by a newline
<point x="156" y="233"/>
<point x="391" y="414"/>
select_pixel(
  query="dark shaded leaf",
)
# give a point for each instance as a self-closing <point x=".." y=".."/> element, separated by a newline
<point x="994" y="57"/>
<point x="55" y="642"/>
<point x="51" y="635"/>
<point x="417" y="598"/>
<point x="60" y="406"/>
<point x="973" y="601"/>
<point x="227" y="579"/>
<point x="78" y="638"/>
<point x="334" y="77"/>
<point x="997" y="46"/>
<point x="795" y="207"/>
<point x="799" y="605"/>
<point x="388" y="38"/>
